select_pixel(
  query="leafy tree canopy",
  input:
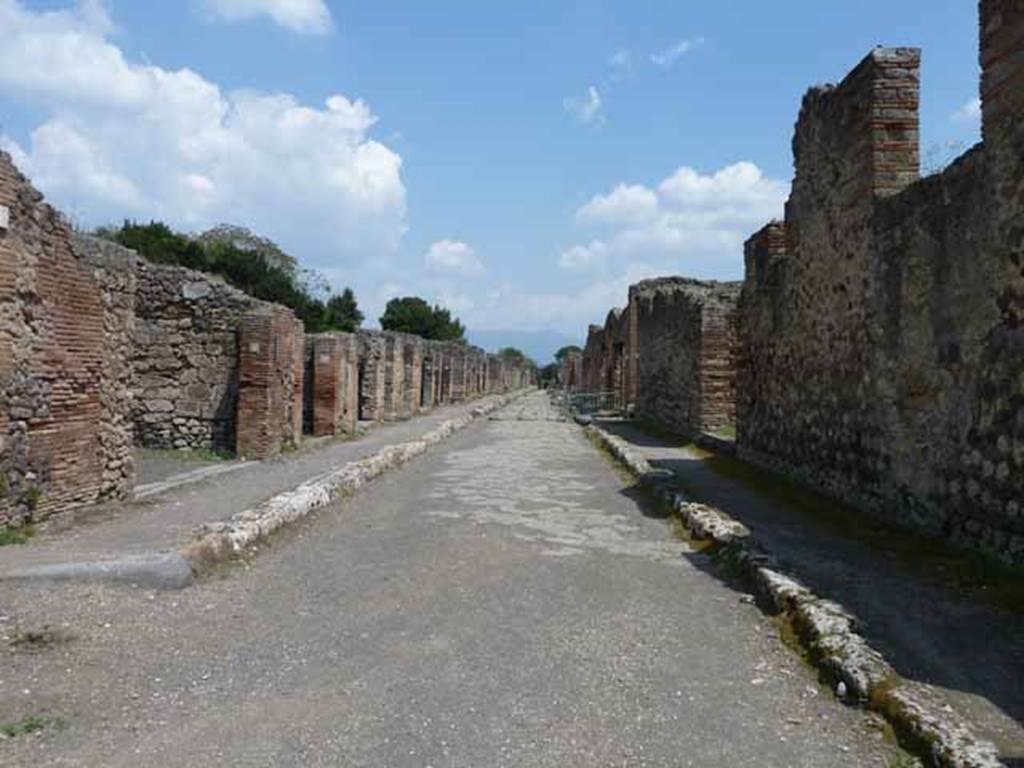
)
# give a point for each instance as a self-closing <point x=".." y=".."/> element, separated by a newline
<point x="241" y="259"/>
<point x="411" y="314"/>
<point x="513" y="355"/>
<point x="549" y="374"/>
<point x="563" y="353"/>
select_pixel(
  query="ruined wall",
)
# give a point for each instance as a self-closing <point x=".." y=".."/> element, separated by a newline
<point x="593" y="359"/>
<point x="882" y="346"/>
<point x="271" y="366"/>
<point x="331" y="385"/>
<point x="186" y="358"/>
<point x="63" y="367"/>
<point x="572" y="371"/>
<point x="371" y="375"/>
<point x="412" y="373"/>
<point x="687" y="344"/>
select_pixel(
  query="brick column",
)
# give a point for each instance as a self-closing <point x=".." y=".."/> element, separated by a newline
<point x="270" y="373"/>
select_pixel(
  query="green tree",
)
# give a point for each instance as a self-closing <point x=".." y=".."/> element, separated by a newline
<point x="411" y="314"/>
<point x="515" y="356"/>
<point x="261" y="269"/>
<point x="548" y="374"/>
<point x="563" y="353"/>
<point x="342" y="312"/>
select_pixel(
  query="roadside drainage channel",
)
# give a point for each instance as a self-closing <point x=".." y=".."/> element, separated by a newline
<point x="923" y="721"/>
<point x="218" y="542"/>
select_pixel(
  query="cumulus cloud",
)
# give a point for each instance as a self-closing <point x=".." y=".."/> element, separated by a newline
<point x="310" y="17"/>
<point x="123" y="138"/>
<point x="970" y="112"/>
<point x="626" y="204"/>
<point x="690" y="223"/>
<point x="668" y="57"/>
<point x="584" y="257"/>
<point x="454" y="257"/>
<point x="587" y="109"/>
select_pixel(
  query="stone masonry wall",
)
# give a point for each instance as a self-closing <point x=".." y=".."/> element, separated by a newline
<point x="883" y="346"/>
<point x="62" y="377"/>
<point x="371" y="375"/>
<point x="686" y="338"/>
<point x="186" y="358"/>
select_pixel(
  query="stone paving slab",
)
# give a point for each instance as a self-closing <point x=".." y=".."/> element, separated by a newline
<point x="952" y="640"/>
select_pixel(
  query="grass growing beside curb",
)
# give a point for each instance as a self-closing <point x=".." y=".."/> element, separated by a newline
<point x="15" y="536"/>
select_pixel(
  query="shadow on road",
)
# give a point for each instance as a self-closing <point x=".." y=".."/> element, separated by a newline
<point x="940" y="616"/>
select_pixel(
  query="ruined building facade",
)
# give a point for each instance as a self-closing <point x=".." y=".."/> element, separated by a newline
<point x="101" y="350"/>
<point x="876" y="349"/>
<point x="670" y="356"/>
<point x="884" y="318"/>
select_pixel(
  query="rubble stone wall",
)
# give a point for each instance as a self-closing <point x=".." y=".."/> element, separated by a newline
<point x="882" y="339"/>
<point x="687" y="344"/>
<point x="63" y="363"/>
<point x="186" y="358"/>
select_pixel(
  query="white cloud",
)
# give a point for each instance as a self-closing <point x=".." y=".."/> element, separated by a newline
<point x="128" y="139"/>
<point x="581" y="257"/>
<point x="668" y="57"/>
<point x="454" y="257"/>
<point x="310" y="17"/>
<point x="587" y="109"/>
<point x="627" y="203"/>
<point x="621" y="65"/>
<point x="691" y="223"/>
<point x="969" y="112"/>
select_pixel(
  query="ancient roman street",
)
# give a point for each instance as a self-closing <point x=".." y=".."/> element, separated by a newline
<point x="370" y="398"/>
<point x="508" y="600"/>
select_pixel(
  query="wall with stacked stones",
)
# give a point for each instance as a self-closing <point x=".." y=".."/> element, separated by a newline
<point x="63" y="369"/>
<point x="186" y="358"/>
<point x="687" y="345"/>
<point x="882" y="339"/>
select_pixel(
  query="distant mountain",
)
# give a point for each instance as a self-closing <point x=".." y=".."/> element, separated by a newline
<point x="540" y="345"/>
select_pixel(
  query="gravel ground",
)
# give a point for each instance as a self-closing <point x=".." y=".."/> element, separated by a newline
<point x="502" y="601"/>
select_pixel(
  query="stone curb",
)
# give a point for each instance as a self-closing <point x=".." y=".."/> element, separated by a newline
<point x="220" y="541"/>
<point x="827" y="631"/>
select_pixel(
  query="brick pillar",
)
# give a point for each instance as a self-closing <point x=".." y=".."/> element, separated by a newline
<point x="270" y="371"/>
<point x="333" y="385"/>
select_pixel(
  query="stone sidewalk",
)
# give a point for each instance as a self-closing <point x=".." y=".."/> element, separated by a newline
<point x="164" y="522"/>
<point x="937" y="619"/>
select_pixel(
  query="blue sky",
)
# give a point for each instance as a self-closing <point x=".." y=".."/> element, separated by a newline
<point x="519" y="162"/>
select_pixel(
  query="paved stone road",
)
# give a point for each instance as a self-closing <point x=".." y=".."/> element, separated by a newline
<point x="503" y="601"/>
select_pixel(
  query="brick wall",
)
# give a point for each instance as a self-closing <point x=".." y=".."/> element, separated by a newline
<point x="332" y="389"/>
<point x="270" y="382"/>
<point x="61" y="376"/>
